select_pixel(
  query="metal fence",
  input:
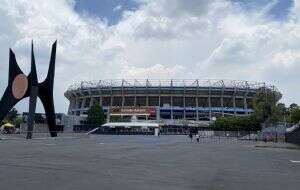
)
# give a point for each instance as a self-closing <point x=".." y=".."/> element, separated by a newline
<point x="274" y="134"/>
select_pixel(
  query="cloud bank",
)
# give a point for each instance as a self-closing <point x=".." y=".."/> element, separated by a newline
<point x="161" y="39"/>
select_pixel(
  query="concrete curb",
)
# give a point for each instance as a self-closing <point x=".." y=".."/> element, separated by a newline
<point x="20" y="137"/>
<point x="279" y="145"/>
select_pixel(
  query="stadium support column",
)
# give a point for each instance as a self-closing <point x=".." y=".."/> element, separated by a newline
<point x="100" y="98"/>
<point x="222" y="105"/>
<point x="172" y="117"/>
<point x="147" y="97"/>
<point x="147" y="101"/>
<point x="209" y="102"/>
<point x="184" y="103"/>
<point x="233" y="100"/>
<point x="122" y="93"/>
<point x="111" y="104"/>
<point x="108" y="115"/>
<point x="111" y="95"/>
<point x="159" y="95"/>
<point x="197" y="103"/>
<point x="172" y="100"/>
<point x="100" y="101"/>
<point x="222" y="98"/>
<point x="245" y="99"/>
<point x="134" y="101"/>
<point x="111" y="101"/>
<point x="245" y="105"/>
<point x="157" y="114"/>
<point x="91" y="100"/>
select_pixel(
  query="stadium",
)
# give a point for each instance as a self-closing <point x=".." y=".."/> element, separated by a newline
<point x="165" y="101"/>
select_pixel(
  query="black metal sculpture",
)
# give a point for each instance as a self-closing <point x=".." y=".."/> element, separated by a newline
<point x="21" y="86"/>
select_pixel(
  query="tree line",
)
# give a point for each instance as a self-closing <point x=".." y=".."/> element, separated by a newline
<point x="267" y="111"/>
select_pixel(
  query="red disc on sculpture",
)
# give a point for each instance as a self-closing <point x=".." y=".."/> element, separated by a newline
<point x="19" y="86"/>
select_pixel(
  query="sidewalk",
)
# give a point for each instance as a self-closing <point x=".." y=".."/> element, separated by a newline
<point x="277" y="145"/>
<point x="39" y="136"/>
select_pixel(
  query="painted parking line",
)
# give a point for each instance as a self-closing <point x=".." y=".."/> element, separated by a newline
<point x="295" y="161"/>
<point x="49" y="144"/>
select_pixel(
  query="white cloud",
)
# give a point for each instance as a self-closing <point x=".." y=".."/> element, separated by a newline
<point x="286" y="58"/>
<point x="156" y="71"/>
<point x="117" y="8"/>
<point x="161" y="39"/>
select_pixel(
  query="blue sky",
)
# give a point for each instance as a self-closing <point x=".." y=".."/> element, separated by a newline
<point x="279" y="11"/>
<point x="111" y="10"/>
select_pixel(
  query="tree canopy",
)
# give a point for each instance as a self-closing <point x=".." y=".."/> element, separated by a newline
<point x="12" y="117"/>
<point x="293" y="106"/>
<point x="12" y="114"/>
<point x="231" y="123"/>
<point x="295" y="115"/>
<point x="96" y="115"/>
<point x="267" y="110"/>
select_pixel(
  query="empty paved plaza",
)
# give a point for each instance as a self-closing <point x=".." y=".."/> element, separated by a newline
<point x="145" y="162"/>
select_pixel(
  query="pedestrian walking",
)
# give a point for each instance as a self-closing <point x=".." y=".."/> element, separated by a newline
<point x="191" y="136"/>
<point x="197" y="137"/>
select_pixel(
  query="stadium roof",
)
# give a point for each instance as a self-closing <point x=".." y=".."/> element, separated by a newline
<point x="171" y="82"/>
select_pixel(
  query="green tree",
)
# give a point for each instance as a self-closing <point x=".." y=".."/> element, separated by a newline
<point x="12" y="114"/>
<point x="293" y="106"/>
<point x="245" y="123"/>
<point x="279" y="113"/>
<point x="295" y="115"/>
<point x="17" y="121"/>
<point x="290" y="110"/>
<point x="266" y="109"/>
<point x="96" y="115"/>
<point x="282" y="109"/>
<point x="10" y="117"/>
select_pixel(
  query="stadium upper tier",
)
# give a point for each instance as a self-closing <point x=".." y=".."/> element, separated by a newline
<point x="206" y="97"/>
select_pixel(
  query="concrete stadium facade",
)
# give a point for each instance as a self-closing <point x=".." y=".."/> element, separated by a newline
<point x="194" y="100"/>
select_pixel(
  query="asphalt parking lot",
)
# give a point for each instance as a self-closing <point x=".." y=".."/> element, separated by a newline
<point x="145" y="162"/>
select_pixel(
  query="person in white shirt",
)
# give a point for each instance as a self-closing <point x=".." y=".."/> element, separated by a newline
<point x="197" y="137"/>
